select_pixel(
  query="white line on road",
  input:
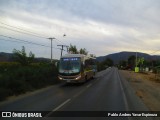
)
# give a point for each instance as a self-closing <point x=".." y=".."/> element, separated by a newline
<point x="77" y="94"/>
<point x="124" y="95"/>
<point x="61" y="105"/>
<point x="89" y="85"/>
<point x="65" y="102"/>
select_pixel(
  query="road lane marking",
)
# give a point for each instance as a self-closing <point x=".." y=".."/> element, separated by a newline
<point x="65" y="102"/>
<point x="76" y="95"/>
<point x="89" y="85"/>
<point x="61" y="105"/>
<point x="124" y="95"/>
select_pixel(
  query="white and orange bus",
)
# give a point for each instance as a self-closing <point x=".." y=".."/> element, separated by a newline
<point x="76" y="68"/>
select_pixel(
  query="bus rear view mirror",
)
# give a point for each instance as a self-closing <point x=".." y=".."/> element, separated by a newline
<point x="56" y="64"/>
<point x="83" y="63"/>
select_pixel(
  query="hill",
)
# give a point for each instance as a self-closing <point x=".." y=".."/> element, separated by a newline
<point x="116" y="57"/>
<point x="8" y="57"/>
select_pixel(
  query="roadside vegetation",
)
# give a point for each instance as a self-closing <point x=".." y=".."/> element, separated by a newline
<point x="105" y="64"/>
<point x="146" y="67"/>
<point x="73" y="49"/>
<point x="24" y="75"/>
<point x="130" y="64"/>
<point x="100" y="65"/>
<point x="146" y="87"/>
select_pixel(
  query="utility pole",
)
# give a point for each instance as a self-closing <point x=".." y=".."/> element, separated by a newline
<point x="63" y="47"/>
<point x="136" y="59"/>
<point x="51" y="46"/>
<point x="67" y="49"/>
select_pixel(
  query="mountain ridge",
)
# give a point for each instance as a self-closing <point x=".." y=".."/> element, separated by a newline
<point x="116" y="57"/>
<point x="8" y="57"/>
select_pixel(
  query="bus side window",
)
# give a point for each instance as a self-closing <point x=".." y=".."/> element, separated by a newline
<point x="82" y="67"/>
<point x="85" y="64"/>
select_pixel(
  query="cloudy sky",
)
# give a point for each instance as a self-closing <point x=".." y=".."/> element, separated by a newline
<point x="101" y="26"/>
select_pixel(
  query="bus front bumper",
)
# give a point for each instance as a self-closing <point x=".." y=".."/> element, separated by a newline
<point x="71" y="79"/>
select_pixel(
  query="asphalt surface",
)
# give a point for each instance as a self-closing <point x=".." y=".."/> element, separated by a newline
<point x="108" y="91"/>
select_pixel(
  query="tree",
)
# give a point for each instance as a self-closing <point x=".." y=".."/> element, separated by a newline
<point x="21" y="56"/>
<point x="123" y="64"/>
<point x="73" y="49"/>
<point x="132" y="61"/>
<point x="100" y="66"/>
<point x="93" y="55"/>
<point x="83" y="51"/>
<point x="108" y="62"/>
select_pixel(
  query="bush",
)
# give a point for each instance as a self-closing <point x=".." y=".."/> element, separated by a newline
<point x="100" y="66"/>
<point x="7" y="66"/>
<point x="16" y="79"/>
<point x="4" y="92"/>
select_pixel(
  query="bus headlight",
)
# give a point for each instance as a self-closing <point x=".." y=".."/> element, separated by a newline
<point x="78" y="77"/>
<point x="60" y="78"/>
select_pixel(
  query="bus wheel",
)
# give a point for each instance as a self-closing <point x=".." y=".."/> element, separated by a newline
<point x="92" y="77"/>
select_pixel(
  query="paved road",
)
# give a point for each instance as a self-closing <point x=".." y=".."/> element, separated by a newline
<point x="108" y="91"/>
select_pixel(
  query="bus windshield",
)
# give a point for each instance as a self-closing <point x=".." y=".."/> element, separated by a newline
<point x="69" y="65"/>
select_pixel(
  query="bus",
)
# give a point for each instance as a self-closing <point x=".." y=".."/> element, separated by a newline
<point x="74" y="68"/>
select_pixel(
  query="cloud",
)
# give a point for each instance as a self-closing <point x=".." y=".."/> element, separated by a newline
<point x="102" y="27"/>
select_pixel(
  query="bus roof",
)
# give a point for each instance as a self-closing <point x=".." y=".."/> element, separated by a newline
<point x="72" y="55"/>
<point x="84" y="57"/>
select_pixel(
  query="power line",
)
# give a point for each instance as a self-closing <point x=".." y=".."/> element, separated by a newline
<point x="59" y="41"/>
<point x="14" y="41"/>
<point x="21" y="42"/>
<point x="28" y="32"/>
<point x="23" y="30"/>
<point x="155" y="51"/>
<point x="62" y="48"/>
<point x="25" y="41"/>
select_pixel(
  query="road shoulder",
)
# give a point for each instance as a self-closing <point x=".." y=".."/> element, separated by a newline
<point x="145" y="88"/>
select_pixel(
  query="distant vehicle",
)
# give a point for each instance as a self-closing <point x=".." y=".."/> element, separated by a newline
<point x="76" y="68"/>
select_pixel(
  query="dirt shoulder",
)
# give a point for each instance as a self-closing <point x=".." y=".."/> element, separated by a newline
<point x="146" y="87"/>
